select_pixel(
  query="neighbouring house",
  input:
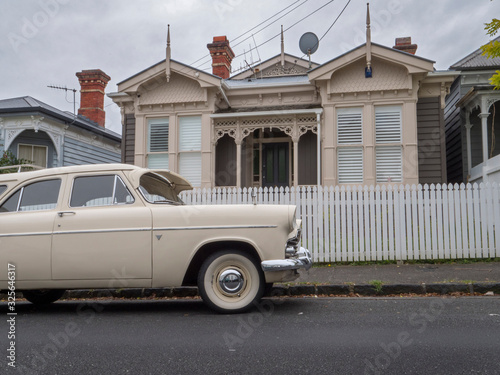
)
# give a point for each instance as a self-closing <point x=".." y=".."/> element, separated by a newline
<point x="373" y="115"/>
<point x="49" y="137"/>
<point x="472" y="124"/>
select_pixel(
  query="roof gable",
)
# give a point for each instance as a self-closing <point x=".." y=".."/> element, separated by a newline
<point x="412" y="63"/>
<point x="272" y="67"/>
<point x="157" y="71"/>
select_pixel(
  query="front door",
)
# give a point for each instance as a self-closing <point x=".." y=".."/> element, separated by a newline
<point x="275" y="164"/>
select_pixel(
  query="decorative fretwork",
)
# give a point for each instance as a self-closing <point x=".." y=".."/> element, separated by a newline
<point x="294" y="127"/>
<point x="268" y="122"/>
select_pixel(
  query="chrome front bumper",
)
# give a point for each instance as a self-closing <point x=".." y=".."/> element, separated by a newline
<point x="301" y="260"/>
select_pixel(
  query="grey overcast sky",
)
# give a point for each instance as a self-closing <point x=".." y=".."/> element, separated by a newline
<point x="45" y="42"/>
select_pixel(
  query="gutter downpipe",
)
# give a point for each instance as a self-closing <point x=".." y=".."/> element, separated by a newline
<point x="224" y="94"/>
<point x="318" y="121"/>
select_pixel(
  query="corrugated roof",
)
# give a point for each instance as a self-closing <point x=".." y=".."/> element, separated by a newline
<point x="476" y="60"/>
<point x="30" y="104"/>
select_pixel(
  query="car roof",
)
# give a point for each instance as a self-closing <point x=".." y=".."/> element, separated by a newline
<point x="22" y="176"/>
<point x="179" y="182"/>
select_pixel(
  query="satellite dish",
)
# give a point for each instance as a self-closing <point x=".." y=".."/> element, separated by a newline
<point x="308" y="43"/>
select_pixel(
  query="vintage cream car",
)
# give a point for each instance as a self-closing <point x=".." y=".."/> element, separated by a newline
<point x="117" y="225"/>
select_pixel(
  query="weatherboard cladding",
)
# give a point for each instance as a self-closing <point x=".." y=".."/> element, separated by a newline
<point x="431" y="143"/>
<point x="78" y="153"/>
<point x="454" y="153"/>
<point x="128" y="142"/>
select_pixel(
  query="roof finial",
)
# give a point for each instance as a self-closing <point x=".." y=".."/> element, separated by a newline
<point x="167" y="60"/>
<point x="282" y="48"/>
<point x="368" y="70"/>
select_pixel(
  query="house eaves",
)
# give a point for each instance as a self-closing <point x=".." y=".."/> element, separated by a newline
<point x="132" y="83"/>
<point x="414" y="64"/>
<point x="27" y="105"/>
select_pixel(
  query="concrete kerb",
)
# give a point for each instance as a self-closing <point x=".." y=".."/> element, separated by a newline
<point x="299" y="290"/>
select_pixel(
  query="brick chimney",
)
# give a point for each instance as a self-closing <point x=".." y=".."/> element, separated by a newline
<point x="222" y="55"/>
<point x="92" y="83"/>
<point x="404" y="44"/>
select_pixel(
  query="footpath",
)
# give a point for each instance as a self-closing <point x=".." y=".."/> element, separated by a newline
<point x="479" y="278"/>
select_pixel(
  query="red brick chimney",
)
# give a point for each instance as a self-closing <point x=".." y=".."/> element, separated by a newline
<point x="222" y="55"/>
<point x="92" y="83"/>
<point x="404" y="44"/>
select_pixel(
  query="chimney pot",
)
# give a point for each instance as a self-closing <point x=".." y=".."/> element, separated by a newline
<point x="93" y="83"/>
<point x="404" y="44"/>
<point x="222" y="55"/>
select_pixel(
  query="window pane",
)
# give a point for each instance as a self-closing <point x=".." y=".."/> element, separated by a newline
<point x="122" y="195"/>
<point x="25" y="152"/>
<point x="389" y="163"/>
<point x="40" y="196"/>
<point x="92" y="191"/>
<point x="11" y="204"/>
<point x="350" y="165"/>
<point x="349" y="125"/>
<point x="388" y="124"/>
<point x="158" y="161"/>
<point x="40" y="156"/>
<point x="158" y="135"/>
<point x="190" y="133"/>
<point x="157" y="190"/>
<point x="190" y="167"/>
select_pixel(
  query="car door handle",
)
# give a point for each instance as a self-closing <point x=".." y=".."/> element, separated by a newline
<point x="62" y="213"/>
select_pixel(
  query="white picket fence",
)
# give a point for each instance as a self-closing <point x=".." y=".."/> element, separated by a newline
<point x="375" y="223"/>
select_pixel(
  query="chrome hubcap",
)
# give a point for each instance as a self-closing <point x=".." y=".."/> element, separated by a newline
<point x="231" y="281"/>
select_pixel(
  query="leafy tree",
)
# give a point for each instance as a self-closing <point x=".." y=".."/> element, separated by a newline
<point x="8" y="158"/>
<point x="492" y="49"/>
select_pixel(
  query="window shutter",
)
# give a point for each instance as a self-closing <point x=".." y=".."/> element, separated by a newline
<point x="349" y="126"/>
<point x="158" y="135"/>
<point x="190" y="167"/>
<point x="158" y="161"/>
<point x="389" y="163"/>
<point x="388" y="124"/>
<point x="190" y="148"/>
<point x="190" y="133"/>
<point x="350" y="165"/>
<point x="158" y="143"/>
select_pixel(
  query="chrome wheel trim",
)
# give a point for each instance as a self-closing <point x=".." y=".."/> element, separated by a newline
<point x="231" y="281"/>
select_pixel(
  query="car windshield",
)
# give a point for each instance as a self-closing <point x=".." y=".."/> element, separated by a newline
<point x="157" y="189"/>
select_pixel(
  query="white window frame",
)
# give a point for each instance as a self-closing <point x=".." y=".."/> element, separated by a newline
<point x="350" y="145"/>
<point x="189" y="148"/>
<point x="388" y="143"/>
<point x="32" y="150"/>
<point x="158" y="159"/>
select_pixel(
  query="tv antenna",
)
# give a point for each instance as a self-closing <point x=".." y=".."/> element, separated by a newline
<point x="308" y="44"/>
<point x="66" y="89"/>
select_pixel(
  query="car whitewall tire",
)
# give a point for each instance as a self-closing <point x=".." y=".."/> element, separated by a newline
<point x="230" y="281"/>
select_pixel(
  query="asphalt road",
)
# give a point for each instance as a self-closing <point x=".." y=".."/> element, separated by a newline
<point x="290" y="336"/>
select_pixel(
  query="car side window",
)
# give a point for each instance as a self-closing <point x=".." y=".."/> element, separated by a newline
<point x="91" y="191"/>
<point x="2" y="188"/>
<point x="38" y="196"/>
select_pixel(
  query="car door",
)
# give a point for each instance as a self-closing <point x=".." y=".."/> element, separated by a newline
<point x="26" y="221"/>
<point x="103" y="236"/>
